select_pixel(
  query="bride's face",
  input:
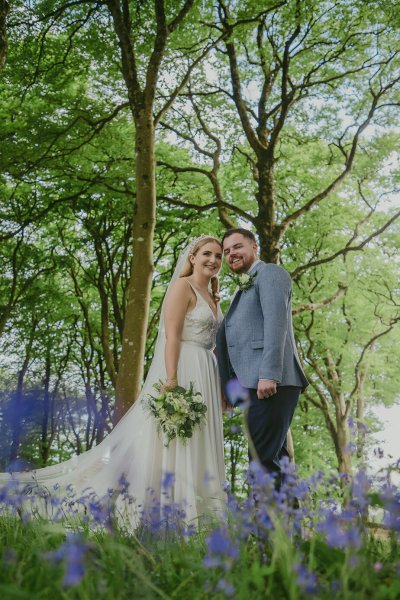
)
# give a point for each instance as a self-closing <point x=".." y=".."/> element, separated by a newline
<point x="207" y="260"/>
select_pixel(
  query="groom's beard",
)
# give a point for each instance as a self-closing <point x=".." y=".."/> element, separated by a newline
<point x="243" y="268"/>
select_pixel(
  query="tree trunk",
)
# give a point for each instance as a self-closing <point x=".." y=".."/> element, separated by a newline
<point x="44" y="442"/>
<point x="4" y="8"/>
<point x="130" y="372"/>
<point x="17" y="409"/>
<point x="3" y="320"/>
<point x="360" y="417"/>
<point x="343" y="450"/>
<point x="269" y="233"/>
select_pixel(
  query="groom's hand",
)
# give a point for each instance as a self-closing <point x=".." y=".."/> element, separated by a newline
<point x="266" y="388"/>
<point x="225" y="403"/>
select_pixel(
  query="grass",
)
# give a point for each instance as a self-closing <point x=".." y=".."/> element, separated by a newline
<point x="264" y="548"/>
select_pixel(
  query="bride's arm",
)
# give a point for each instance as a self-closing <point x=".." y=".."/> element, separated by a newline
<point x="175" y="309"/>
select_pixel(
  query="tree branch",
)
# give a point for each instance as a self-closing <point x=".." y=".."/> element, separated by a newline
<point x="348" y="162"/>
<point x="208" y="206"/>
<point x="346" y="249"/>
<point x="181" y="15"/>
<point x="122" y="26"/>
<point x="368" y="346"/>
<point x="316" y="305"/>
<point x="236" y="82"/>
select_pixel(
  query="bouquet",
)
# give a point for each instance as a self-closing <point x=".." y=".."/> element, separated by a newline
<point x="176" y="411"/>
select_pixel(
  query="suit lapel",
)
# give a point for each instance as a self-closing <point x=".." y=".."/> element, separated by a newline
<point x="238" y="293"/>
<point x="234" y="301"/>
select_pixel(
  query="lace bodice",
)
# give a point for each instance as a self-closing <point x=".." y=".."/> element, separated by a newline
<point x="200" y="326"/>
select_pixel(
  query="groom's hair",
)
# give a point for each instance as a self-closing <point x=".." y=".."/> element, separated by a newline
<point x="244" y="232"/>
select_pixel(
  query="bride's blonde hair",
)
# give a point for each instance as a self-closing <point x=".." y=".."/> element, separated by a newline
<point x="187" y="269"/>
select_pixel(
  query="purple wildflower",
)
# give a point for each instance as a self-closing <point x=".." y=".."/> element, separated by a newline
<point x="219" y="543"/>
<point x="352" y="424"/>
<point x="168" y="481"/>
<point x="72" y="552"/>
<point x="225" y="587"/>
<point x="235" y="429"/>
<point x="390" y="499"/>
<point x="336" y="534"/>
<point x="221" y="551"/>
<point x="236" y="393"/>
<point x="353" y="561"/>
<point x="360" y="490"/>
<point x="307" y="580"/>
<point x="123" y="485"/>
<point x="19" y="465"/>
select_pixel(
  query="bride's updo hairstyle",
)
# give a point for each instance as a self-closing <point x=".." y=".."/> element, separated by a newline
<point x="187" y="269"/>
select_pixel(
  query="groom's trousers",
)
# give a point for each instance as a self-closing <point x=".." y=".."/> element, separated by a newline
<point x="268" y="424"/>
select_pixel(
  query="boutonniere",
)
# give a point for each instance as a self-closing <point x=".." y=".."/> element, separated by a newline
<point x="245" y="281"/>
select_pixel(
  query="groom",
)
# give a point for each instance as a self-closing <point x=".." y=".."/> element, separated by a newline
<point x="255" y="343"/>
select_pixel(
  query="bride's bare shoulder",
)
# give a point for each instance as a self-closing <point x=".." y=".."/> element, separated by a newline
<point x="179" y="297"/>
<point x="180" y="288"/>
<point x="181" y="284"/>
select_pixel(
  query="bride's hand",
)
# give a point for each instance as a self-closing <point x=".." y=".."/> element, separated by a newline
<point x="168" y="385"/>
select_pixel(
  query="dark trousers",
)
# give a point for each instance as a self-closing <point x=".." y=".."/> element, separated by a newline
<point x="268" y="422"/>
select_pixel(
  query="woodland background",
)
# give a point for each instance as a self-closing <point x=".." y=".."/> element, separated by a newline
<point x="129" y="127"/>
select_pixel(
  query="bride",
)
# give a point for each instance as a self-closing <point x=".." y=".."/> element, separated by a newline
<point x="190" y="317"/>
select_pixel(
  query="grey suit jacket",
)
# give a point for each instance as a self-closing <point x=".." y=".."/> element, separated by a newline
<point x="256" y="337"/>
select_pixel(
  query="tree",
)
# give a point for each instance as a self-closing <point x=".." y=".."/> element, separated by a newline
<point x="287" y="65"/>
<point x="148" y="39"/>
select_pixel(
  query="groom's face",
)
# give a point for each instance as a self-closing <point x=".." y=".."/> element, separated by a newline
<point x="240" y="252"/>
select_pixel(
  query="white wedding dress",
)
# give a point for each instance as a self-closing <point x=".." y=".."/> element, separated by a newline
<point x="136" y="450"/>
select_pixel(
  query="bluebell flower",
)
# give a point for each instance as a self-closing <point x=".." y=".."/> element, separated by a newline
<point x="316" y="479"/>
<point x="352" y="423"/>
<point x="19" y="465"/>
<point x="222" y="552"/>
<point x="123" y="484"/>
<point x="349" y="449"/>
<point x="360" y="488"/>
<point x="235" y="428"/>
<point x="307" y="580"/>
<point x="236" y="393"/>
<point x="353" y="561"/>
<point x="225" y="587"/>
<point x="391" y="500"/>
<point x="336" y="535"/>
<point x="72" y="552"/>
<point x="218" y="542"/>
<point x="168" y="481"/>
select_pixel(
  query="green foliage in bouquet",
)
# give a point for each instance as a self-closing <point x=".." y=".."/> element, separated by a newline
<point x="176" y="411"/>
